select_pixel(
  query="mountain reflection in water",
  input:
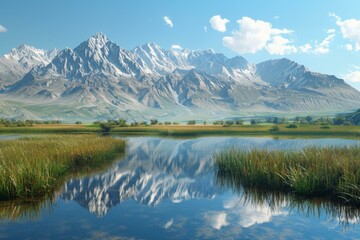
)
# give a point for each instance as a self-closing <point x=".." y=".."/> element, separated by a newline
<point x="158" y="169"/>
<point x="172" y="185"/>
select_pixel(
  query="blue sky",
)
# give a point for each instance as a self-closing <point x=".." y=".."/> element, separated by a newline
<point x="324" y="35"/>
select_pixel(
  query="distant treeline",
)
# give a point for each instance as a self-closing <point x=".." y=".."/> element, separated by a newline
<point x="23" y="123"/>
<point x="341" y="119"/>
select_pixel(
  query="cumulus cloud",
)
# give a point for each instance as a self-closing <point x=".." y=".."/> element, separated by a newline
<point x="216" y="219"/>
<point x="324" y="46"/>
<point x="331" y="30"/>
<point x="350" y="29"/>
<point x="250" y="214"/>
<point x="254" y="35"/>
<point x="176" y="47"/>
<point x="280" y="46"/>
<point x="168" y="21"/>
<point x="353" y="76"/>
<point x="251" y="36"/>
<point x="305" y="48"/>
<point x="349" y="47"/>
<point x="2" y="29"/>
<point x="218" y="23"/>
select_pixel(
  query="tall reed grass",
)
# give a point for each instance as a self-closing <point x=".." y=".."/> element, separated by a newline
<point x="33" y="167"/>
<point x="330" y="171"/>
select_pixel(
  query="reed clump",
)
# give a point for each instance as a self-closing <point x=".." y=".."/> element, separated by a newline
<point x="328" y="171"/>
<point x="33" y="167"/>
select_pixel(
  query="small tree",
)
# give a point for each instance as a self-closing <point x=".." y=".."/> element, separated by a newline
<point x="309" y="119"/>
<point x="154" y="121"/>
<point x="275" y="128"/>
<point x="229" y="123"/>
<point x="239" y="122"/>
<point x="220" y="122"/>
<point x="191" y="122"/>
<point x="254" y="121"/>
<point x="339" y="120"/>
<point x="106" y="127"/>
<point x="122" y="122"/>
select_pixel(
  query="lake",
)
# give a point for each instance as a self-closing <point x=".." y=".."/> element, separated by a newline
<point x="166" y="188"/>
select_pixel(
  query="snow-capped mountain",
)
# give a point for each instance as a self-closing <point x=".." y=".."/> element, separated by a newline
<point x="14" y="65"/>
<point x="99" y="79"/>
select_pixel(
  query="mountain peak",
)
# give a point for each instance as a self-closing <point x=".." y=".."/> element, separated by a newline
<point x="150" y="46"/>
<point x="25" y="49"/>
<point x="98" y="40"/>
<point x="100" y="35"/>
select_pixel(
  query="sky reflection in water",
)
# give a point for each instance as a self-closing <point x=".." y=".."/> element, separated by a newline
<point x="167" y="188"/>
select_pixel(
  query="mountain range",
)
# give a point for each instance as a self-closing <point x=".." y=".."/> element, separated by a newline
<point x="100" y="80"/>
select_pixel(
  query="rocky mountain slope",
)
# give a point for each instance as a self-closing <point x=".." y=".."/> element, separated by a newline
<point x="100" y="80"/>
<point x="14" y="65"/>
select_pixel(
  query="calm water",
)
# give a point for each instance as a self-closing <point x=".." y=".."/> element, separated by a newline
<point x="168" y="189"/>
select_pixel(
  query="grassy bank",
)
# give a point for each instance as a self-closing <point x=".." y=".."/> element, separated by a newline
<point x="194" y="130"/>
<point x="33" y="167"/>
<point x="332" y="172"/>
<point x="202" y="130"/>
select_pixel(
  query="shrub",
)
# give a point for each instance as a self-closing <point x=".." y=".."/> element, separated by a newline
<point x="154" y="121"/>
<point x="191" y="122"/>
<point x="122" y="122"/>
<point x="291" y="125"/>
<point x="275" y="128"/>
<point x="106" y="127"/>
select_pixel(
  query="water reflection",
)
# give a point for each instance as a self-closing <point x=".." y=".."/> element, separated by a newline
<point x="157" y="169"/>
<point x="171" y="185"/>
<point x="274" y="203"/>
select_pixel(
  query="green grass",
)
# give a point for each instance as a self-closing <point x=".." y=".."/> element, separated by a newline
<point x="34" y="167"/>
<point x="194" y="130"/>
<point x="332" y="172"/>
<point x="201" y="130"/>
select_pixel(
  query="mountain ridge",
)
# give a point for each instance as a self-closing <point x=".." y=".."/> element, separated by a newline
<point x="98" y="79"/>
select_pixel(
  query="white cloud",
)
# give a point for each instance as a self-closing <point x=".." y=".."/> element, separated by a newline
<point x="218" y="23"/>
<point x="176" y="47"/>
<point x="216" y="219"/>
<point x="276" y="31"/>
<point x="169" y="223"/>
<point x="276" y="17"/>
<point x="205" y="28"/>
<point x="353" y="76"/>
<point x="2" y="29"/>
<point x="331" y="30"/>
<point x="254" y="35"/>
<point x="305" y="48"/>
<point x="249" y="214"/>
<point x="280" y="46"/>
<point x="168" y="21"/>
<point x="334" y="16"/>
<point x="349" y="47"/>
<point x="323" y="47"/>
<point x="350" y="29"/>
<point x="251" y="36"/>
